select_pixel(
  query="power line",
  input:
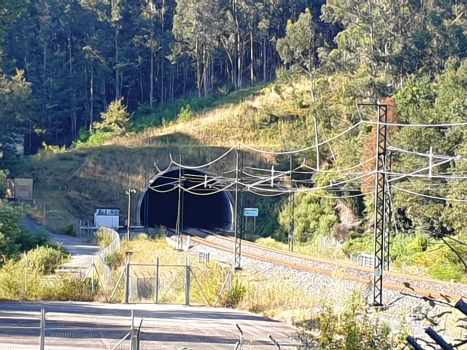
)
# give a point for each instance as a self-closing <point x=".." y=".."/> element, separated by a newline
<point x="303" y="149"/>
<point x="442" y="125"/>
<point x="431" y="197"/>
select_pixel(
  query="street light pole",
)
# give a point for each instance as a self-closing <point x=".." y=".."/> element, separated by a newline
<point x="128" y="232"/>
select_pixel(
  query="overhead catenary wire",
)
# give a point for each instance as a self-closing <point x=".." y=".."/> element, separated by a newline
<point x="258" y="186"/>
<point x="204" y="165"/>
<point x="429" y="196"/>
<point x="441" y="125"/>
<point x="303" y="149"/>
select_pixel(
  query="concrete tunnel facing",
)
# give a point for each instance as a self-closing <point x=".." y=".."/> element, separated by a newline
<point x="204" y="209"/>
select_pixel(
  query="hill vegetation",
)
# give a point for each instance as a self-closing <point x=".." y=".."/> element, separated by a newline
<point x="112" y="87"/>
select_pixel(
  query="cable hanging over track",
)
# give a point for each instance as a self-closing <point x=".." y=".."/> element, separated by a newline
<point x="343" y="183"/>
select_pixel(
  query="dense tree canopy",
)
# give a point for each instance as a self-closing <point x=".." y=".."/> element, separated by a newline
<point x="71" y="58"/>
<point x="66" y="62"/>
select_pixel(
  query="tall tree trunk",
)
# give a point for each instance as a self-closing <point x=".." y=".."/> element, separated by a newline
<point x="265" y="78"/>
<point x="151" y="83"/>
<point x="198" y="70"/>
<point x="117" y="93"/>
<point x="252" y="57"/>
<point x="91" y="111"/>
<point x="162" y="51"/>
<point x="205" y="72"/>
<point x="141" y="89"/>
<point x="185" y="76"/>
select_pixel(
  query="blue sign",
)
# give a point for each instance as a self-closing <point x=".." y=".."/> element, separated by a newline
<point x="250" y="212"/>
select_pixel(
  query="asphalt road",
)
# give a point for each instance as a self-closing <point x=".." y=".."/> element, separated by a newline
<point x="82" y="253"/>
<point x="86" y="325"/>
<point x="164" y="327"/>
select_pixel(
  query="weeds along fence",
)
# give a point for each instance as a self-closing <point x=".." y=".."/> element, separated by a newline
<point x="178" y="282"/>
<point x="160" y="283"/>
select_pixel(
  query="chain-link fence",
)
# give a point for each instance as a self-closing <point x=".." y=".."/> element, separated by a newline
<point x="159" y="284"/>
<point x="102" y="257"/>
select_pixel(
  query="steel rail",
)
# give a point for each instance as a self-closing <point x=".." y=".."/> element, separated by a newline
<point x="332" y="273"/>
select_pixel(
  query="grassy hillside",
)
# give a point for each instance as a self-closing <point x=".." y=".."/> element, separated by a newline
<point x="71" y="183"/>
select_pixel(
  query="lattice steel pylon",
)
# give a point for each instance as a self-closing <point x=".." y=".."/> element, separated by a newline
<point x="238" y="212"/>
<point x="290" y="238"/>
<point x="388" y="213"/>
<point x="382" y="207"/>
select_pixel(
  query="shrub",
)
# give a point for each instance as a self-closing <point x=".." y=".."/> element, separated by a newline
<point x="44" y="259"/>
<point x="68" y="230"/>
<point x="114" y="259"/>
<point x="30" y="241"/>
<point x="67" y="287"/>
<point x="185" y="113"/>
<point x="355" y="327"/>
<point x="104" y="239"/>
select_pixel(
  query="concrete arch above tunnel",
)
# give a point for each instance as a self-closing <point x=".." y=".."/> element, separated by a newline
<point x="158" y="206"/>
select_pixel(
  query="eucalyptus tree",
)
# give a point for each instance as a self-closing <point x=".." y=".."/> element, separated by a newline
<point x="400" y="36"/>
<point x="197" y="28"/>
<point x="299" y="44"/>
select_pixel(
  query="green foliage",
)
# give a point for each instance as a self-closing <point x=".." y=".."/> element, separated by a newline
<point x="313" y="216"/>
<point x="29" y="279"/>
<point x="115" y="259"/>
<point x="184" y="108"/>
<point x="354" y="327"/>
<point x="44" y="259"/>
<point x="424" y="101"/>
<point x="299" y="44"/>
<point x="103" y="238"/>
<point x="185" y="114"/>
<point x="29" y="241"/>
<point x="69" y="230"/>
<point x="115" y="120"/>
<point x="10" y="231"/>
<point x="359" y="244"/>
<point x="20" y="282"/>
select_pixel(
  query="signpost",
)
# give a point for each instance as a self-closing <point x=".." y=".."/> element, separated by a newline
<point x="251" y="212"/>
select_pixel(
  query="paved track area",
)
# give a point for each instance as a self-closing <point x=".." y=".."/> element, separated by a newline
<point x="164" y="327"/>
<point x="81" y="252"/>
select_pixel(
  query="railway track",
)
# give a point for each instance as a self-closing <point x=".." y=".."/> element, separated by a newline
<point x="421" y="286"/>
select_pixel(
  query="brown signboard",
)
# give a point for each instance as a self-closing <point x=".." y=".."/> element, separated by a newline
<point x="20" y="189"/>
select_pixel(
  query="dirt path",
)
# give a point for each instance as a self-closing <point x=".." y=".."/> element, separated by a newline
<point x="81" y="252"/>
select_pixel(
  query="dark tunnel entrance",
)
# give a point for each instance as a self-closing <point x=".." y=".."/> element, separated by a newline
<point x="203" y="208"/>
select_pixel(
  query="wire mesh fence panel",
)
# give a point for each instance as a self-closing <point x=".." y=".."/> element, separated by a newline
<point x="101" y="260"/>
<point x="159" y="284"/>
<point x="85" y="340"/>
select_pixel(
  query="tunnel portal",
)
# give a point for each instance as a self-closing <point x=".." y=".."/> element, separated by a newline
<point x="158" y="206"/>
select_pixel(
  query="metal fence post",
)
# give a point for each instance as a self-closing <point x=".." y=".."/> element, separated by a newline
<point x="42" y="331"/>
<point x="278" y="346"/>
<point x="127" y="284"/>
<point x="132" y="331"/>
<point x="92" y="277"/>
<point x="188" y="284"/>
<point x="157" y="281"/>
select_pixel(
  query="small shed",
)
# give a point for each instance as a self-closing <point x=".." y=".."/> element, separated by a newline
<point x="109" y="217"/>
